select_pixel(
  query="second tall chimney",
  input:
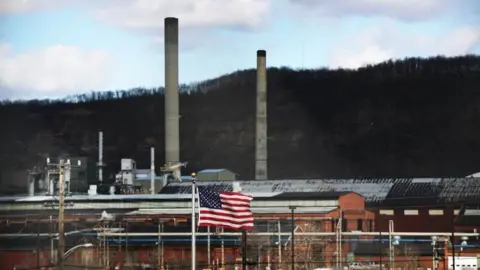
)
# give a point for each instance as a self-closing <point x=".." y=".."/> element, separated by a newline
<point x="172" y="125"/>
<point x="261" y="164"/>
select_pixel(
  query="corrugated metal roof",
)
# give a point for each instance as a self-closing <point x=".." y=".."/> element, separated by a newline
<point x="376" y="191"/>
<point x="306" y="196"/>
<point x="122" y="197"/>
<point x="461" y="190"/>
<point x="371" y="189"/>
<point x="413" y="191"/>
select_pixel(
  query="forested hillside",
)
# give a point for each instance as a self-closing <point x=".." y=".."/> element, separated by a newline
<point x="415" y="117"/>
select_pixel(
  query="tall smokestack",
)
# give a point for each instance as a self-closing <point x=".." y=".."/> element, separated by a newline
<point x="172" y="126"/>
<point x="261" y="123"/>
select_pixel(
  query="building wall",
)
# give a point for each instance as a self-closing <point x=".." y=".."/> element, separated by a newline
<point x="23" y="258"/>
<point x="352" y="211"/>
<point x="470" y="228"/>
<point x="351" y="207"/>
<point x="425" y="219"/>
<point x="351" y="201"/>
<point x="354" y="220"/>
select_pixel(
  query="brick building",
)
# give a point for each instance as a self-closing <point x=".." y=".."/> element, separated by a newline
<point x="421" y="205"/>
<point x="314" y="211"/>
<point x="415" y="204"/>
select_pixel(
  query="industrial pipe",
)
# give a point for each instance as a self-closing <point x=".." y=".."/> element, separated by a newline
<point x="70" y="251"/>
<point x="446" y="234"/>
<point x="9" y="235"/>
<point x="117" y="234"/>
<point x="236" y="240"/>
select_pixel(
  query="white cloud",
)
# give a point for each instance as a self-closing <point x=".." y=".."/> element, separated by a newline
<point x="196" y="17"/>
<point x="54" y="71"/>
<point x="409" y="10"/>
<point x="386" y="42"/>
<point x="149" y="14"/>
<point x="21" y="6"/>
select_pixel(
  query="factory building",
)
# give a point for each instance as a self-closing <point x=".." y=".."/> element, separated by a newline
<point x="146" y="213"/>
<point x="36" y="181"/>
<point x="415" y="204"/>
<point x="320" y="205"/>
<point x="411" y="205"/>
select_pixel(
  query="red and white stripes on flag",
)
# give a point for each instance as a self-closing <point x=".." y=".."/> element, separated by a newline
<point x="230" y="210"/>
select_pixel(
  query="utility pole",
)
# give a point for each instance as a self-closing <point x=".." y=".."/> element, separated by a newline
<point x="61" y="212"/>
<point x="61" y="167"/>
<point x="244" y="250"/>
<point x="391" y="250"/>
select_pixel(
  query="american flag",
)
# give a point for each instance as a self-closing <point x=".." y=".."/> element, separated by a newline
<point x="225" y="209"/>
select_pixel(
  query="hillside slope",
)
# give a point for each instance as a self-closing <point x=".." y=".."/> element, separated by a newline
<point x="415" y="117"/>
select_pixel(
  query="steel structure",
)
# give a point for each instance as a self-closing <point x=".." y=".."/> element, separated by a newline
<point x="443" y="234"/>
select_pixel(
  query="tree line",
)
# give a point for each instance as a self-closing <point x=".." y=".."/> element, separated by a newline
<point x="404" y="118"/>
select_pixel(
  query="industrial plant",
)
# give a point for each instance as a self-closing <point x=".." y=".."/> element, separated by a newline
<point x="142" y="220"/>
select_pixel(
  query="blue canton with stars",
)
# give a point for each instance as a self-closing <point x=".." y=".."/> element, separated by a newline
<point x="209" y="198"/>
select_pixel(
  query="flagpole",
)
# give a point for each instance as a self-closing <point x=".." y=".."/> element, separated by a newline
<point x="244" y="249"/>
<point x="193" y="225"/>
<point x="209" y="253"/>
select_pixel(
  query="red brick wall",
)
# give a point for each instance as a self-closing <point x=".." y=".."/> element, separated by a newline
<point x="26" y="259"/>
<point x="351" y="201"/>
<point x="423" y="222"/>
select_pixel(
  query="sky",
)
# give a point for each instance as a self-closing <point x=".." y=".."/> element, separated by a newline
<point x="56" y="48"/>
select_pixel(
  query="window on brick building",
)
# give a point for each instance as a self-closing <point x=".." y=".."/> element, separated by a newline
<point x="359" y="224"/>
<point x="344" y="225"/>
<point x="410" y="212"/>
<point x="334" y="224"/>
